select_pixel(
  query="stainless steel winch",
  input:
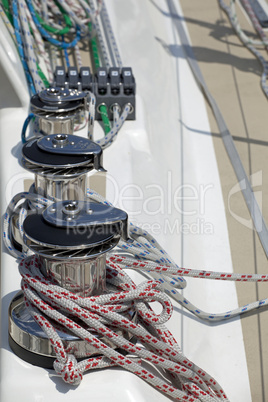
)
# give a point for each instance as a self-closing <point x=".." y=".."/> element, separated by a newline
<point x="71" y="239"/>
<point x="61" y="163"/>
<point x="58" y="110"/>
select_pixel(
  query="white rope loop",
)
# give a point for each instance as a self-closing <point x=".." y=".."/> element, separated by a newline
<point x="69" y="371"/>
<point x="152" y="268"/>
<point x="20" y="200"/>
<point x="147" y="257"/>
<point x="47" y="301"/>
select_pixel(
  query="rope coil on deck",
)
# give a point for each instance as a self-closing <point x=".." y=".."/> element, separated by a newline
<point x="47" y="301"/>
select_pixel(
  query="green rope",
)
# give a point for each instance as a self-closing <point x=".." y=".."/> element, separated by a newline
<point x="95" y="50"/>
<point x="95" y="53"/>
<point x="105" y="119"/>
<point x="7" y="11"/>
<point x="56" y="31"/>
<point x="42" y="76"/>
<point x="96" y="59"/>
<point x="10" y="17"/>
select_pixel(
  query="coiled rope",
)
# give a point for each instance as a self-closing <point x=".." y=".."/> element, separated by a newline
<point x="146" y="255"/>
<point x="47" y="301"/>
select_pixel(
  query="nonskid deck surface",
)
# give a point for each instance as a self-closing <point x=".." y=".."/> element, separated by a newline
<point x="167" y="179"/>
<point x="233" y="76"/>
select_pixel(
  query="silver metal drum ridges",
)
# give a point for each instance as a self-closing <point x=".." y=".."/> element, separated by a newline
<point x="61" y="163"/>
<point x="58" y="110"/>
<point x="71" y="239"/>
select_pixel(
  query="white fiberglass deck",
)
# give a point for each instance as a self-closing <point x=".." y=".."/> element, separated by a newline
<point x="165" y="175"/>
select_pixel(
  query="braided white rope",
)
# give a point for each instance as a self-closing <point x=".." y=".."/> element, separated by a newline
<point x="239" y="30"/>
<point x="89" y="11"/>
<point x="156" y="262"/>
<point x="109" y="137"/>
<point x="30" y="55"/>
<point x="34" y="286"/>
<point x="255" y="22"/>
<point x="231" y="14"/>
<point x="45" y="10"/>
<point x="40" y="44"/>
<point x="149" y="266"/>
<point x="73" y="15"/>
<point x="53" y="56"/>
<point x="111" y="36"/>
<point x="47" y="301"/>
<point x="7" y="23"/>
<point x="103" y="47"/>
<point x="116" y="115"/>
<point x="78" y="57"/>
<point x="54" y="8"/>
<point x="76" y="7"/>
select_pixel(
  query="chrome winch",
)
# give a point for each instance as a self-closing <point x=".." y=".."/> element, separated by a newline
<point x="58" y="110"/>
<point x="61" y="163"/>
<point x="71" y="239"/>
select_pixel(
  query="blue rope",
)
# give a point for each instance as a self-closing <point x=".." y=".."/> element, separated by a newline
<point x="47" y="36"/>
<point x="20" y="45"/>
<point x="25" y="126"/>
<point x="66" y="58"/>
<point x="66" y="54"/>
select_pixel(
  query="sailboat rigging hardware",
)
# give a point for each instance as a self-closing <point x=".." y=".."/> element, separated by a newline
<point x="61" y="163"/>
<point x="112" y="86"/>
<point x="58" y="110"/>
<point x="71" y="239"/>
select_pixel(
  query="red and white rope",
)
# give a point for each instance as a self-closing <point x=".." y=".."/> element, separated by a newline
<point x="47" y="301"/>
<point x="148" y="266"/>
<point x="54" y="8"/>
<point x="163" y="271"/>
<point x="255" y="22"/>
